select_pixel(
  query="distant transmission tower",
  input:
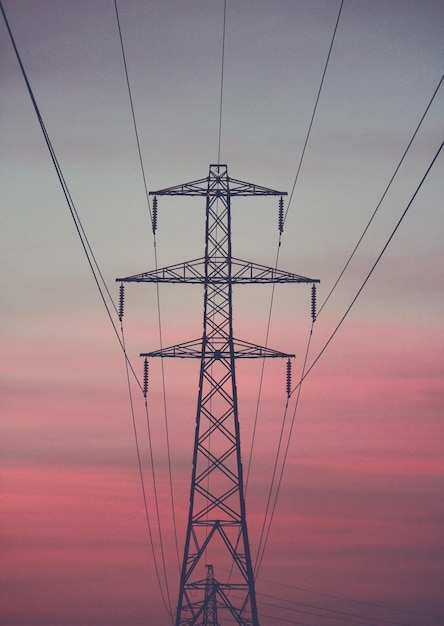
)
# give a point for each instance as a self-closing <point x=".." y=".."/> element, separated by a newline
<point x="217" y="527"/>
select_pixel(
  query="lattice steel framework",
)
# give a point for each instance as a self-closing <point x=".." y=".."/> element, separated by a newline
<point x="217" y="528"/>
<point x="210" y="605"/>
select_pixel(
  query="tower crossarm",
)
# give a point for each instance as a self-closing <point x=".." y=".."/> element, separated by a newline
<point x="193" y="272"/>
<point x="195" y="349"/>
<point x="241" y="188"/>
<point x="217" y="186"/>
<point x="187" y="272"/>
<point x="255" y="273"/>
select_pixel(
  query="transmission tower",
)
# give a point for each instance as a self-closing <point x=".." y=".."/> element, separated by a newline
<point x="217" y="527"/>
<point x="210" y="603"/>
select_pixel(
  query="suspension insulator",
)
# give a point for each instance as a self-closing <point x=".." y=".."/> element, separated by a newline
<point x="121" y="301"/>
<point x="313" y="302"/>
<point x="145" y="377"/>
<point x="281" y="215"/>
<point x="154" y="216"/>
<point x="288" y="378"/>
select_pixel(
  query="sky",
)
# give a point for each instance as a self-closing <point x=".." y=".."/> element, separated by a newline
<point x="358" y="528"/>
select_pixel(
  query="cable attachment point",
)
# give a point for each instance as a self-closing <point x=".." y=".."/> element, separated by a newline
<point x="281" y="215"/>
<point x="313" y="302"/>
<point x="288" y="378"/>
<point x="145" y="377"/>
<point x="121" y="301"/>
<point x="154" y="216"/>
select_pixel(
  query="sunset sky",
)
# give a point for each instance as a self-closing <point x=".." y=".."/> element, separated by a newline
<point x="358" y="533"/>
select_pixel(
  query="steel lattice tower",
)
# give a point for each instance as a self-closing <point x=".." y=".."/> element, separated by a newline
<point x="217" y="528"/>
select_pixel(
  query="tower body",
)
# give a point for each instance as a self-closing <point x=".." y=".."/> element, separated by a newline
<point x="217" y="522"/>
<point x="217" y="528"/>
<point x="210" y="611"/>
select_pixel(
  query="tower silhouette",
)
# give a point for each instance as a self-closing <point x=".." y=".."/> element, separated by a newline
<point x="217" y="524"/>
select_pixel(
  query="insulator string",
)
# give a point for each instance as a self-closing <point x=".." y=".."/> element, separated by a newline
<point x="281" y="215"/>
<point x="313" y="302"/>
<point x="154" y="215"/>
<point x="121" y="301"/>
<point x="145" y="377"/>
<point x="288" y="378"/>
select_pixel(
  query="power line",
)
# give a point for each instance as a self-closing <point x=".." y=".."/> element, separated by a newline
<point x="157" y="289"/>
<point x="266" y="533"/>
<point x="337" y="281"/>
<point x="260" y="549"/>
<point x="85" y="241"/>
<point x="165" y="413"/>
<point x="342" y="598"/>
<point x="370" y="272"/>
<point x="94" y="267"/>
<point x="97" y="274"/>
<point x="298" y="387"/>
<point x="373" y="605"/>
<point x="335" y="614"/>
<point x="283" y="619"/>
<point x="261" y="380"/>
<point x="166" y="600"/>
<point x="92" y="261"/>
<point x="313" y="614"/>
<point x="279" y="243"/>
<point x="314" y="111"/>
<point x="133" y="114"/>
<point x="156" y="501"/>
<point x="382" y="197"/>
